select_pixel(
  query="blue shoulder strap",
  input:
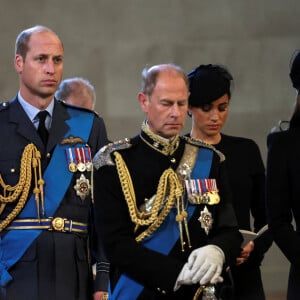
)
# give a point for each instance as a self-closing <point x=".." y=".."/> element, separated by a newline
<point x="129" y="289"/>
<point x="15" y="242"/>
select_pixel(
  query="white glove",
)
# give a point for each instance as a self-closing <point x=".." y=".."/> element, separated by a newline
<point x="206" y="264"/>
<point x="184" y="277"/>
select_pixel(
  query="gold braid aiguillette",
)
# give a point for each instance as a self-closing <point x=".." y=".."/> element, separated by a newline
<point x="30" y="161"/>
<point x="169" y="192"/>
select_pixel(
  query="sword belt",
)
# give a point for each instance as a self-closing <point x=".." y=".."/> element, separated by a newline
<point x="52" y="224"/>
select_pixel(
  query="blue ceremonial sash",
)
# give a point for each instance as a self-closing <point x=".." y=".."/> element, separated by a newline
<point x="127" y="288"/>
<point x="15" y="242"/>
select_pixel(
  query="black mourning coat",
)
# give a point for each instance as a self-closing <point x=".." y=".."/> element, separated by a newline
<point x="283" y="199"/>
<point x="246" y="174"/>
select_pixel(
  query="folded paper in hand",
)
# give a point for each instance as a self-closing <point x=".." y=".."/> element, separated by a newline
<point x="250" y="235"/>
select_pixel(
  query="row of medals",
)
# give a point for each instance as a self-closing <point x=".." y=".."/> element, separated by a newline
<point x="84" y="162"/>
<point x="81" y="167"/>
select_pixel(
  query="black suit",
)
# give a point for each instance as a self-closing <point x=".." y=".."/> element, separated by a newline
<point x="56" y="265"/>
<point x="283" y="199"/>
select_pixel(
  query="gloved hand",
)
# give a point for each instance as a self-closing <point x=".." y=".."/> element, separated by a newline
<point x="184" y="277"/>
<point x="205" y="265"/>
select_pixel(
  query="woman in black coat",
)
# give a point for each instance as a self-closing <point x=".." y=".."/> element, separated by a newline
<point x="210" y="88"/>
<point x="283" y="188"/>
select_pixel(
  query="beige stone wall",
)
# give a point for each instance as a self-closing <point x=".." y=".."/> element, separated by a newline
<point x="110" y="41"/>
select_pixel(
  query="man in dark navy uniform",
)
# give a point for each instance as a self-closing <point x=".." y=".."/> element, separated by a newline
<point x="46" y="180"/>
<point x="165" y="215"/>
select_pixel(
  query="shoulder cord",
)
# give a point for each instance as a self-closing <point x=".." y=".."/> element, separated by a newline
<point x="30" y="161"/>
<point x="168" y="191"/>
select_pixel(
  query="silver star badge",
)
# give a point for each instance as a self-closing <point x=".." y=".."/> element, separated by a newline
<point x="82" y="187"/>
<point x="206" y="220"/>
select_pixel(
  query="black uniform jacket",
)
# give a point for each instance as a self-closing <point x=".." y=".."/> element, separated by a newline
<point x="157" y="272"/>
<point x="56" y="265"/>
<point x="283" y="194"/>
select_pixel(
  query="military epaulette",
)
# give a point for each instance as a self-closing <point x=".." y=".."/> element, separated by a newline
<point x="103" y="156"/>
<point x="4" y="105"/>
<point x="200" y="143"/>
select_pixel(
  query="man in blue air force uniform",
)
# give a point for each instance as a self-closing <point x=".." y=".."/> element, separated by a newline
<point x="167" y="223"/>
<point x="46" y="180"/>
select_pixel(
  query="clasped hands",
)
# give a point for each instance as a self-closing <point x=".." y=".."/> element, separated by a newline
<point x="245" y="253"/>
<point x="204" y="266"/>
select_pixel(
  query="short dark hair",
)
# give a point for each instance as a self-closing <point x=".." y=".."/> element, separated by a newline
<point x="295" y="69"/>
<point x="208" y="83"/>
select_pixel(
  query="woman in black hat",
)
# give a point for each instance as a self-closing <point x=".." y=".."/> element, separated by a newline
<point x="210" y="88"/>
<point x="283" y="187"/>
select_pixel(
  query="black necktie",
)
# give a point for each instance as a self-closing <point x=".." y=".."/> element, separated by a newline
<point x="42" y="130"/>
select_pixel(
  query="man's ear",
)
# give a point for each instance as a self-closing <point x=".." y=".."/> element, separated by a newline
<point x="143" y="99"/>
<point x="18" y="62"/>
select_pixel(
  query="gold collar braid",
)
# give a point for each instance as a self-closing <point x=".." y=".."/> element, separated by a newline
<point x="164" y="146"/>
<point x="169" y="192"/>
<point x="30" y="161"/>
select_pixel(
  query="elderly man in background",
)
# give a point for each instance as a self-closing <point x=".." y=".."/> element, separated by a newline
<point x="77" y="91"/>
